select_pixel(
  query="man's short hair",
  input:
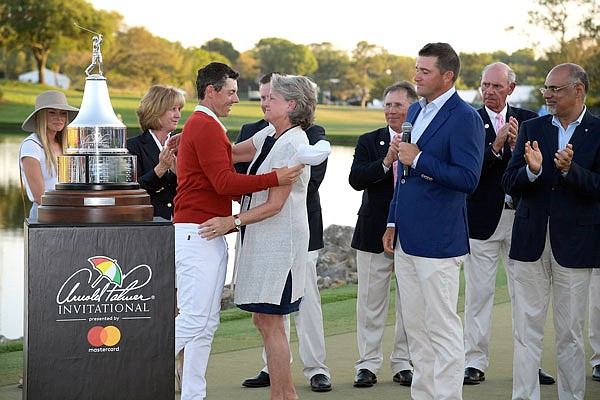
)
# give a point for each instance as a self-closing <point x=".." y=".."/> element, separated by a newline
<point x="266" y="78"/>
<point x="577" y="75"/>
<point x="411" y="93"/>
<point x="215" y="74"/>
<point x="512" y="77"/>
<point x="447" y="59"/>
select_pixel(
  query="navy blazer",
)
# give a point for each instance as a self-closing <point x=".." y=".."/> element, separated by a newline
<point x="162" y="191"/>
<point x="367" y="174"/>
<point x="317" y="174"/>
<point x="485" y="205"/>
<point x="246" y="132"/>
<point x="569" y="204"/>
<point x="429" y="206"/>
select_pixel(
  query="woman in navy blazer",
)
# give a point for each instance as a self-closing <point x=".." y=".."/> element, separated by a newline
<point x="159" y="113"/>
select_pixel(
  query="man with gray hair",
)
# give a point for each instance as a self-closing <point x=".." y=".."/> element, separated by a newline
<point x="555" y="172"/>
<point x="491" y="214"/>
<point x="372" y="169"/>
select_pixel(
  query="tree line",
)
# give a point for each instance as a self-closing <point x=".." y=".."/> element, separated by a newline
<point x="41" y="34"/>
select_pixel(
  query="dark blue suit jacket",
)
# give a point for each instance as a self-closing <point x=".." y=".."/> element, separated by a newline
<point x="429" y="206"/>
<point x="162" y="191"/>
<point x="317" y="174"/>
<point x="571" y="203"/>
<point x="367" y="174"/>
<point x="246" y="132"/>
<point x="485" y="205"/>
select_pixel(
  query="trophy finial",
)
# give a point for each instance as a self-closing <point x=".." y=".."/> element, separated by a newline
<point x="96" y="53"/>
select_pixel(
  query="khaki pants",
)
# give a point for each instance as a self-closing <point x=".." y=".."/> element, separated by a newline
<point x="429" y="295"/>
<point x="534" y="283"/>
<point x="374" y="280"/>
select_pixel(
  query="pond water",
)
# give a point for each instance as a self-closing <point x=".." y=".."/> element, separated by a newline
<point x="339" y="201"/>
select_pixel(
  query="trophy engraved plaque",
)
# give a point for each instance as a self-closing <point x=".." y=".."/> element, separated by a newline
<point x="97" y="177"/>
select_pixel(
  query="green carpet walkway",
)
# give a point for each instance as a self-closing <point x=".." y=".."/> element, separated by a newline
<point x="227" y="370"/>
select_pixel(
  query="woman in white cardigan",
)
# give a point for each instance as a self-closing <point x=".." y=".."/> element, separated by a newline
<point x="273" y="224"/>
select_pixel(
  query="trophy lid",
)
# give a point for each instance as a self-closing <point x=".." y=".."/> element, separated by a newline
<point x="96" y="108"/>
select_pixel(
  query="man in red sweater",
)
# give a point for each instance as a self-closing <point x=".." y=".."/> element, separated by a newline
<point x="207" y="184"/>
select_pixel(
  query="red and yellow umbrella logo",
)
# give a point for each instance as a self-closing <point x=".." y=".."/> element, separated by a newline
<point x="108" y="268"/>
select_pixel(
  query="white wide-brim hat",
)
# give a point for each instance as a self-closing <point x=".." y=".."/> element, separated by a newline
<point x="50" y="99"/>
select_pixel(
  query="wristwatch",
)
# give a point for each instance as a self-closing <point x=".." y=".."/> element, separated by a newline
<point x="237" y="221"/>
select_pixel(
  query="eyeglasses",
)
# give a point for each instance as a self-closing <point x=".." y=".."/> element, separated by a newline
<point x="555" y="90"/>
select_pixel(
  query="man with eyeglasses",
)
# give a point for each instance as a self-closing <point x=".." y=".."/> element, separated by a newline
<point x="490" y="215"/>
<point x="372" y="172"/>
<point x="555" y="170"/>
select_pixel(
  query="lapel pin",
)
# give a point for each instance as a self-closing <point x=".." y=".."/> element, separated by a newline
<point x="381" y="143"/>
<point x="486" y="126"/>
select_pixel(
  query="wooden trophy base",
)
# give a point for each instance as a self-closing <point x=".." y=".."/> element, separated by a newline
<point x="95" y="206"/>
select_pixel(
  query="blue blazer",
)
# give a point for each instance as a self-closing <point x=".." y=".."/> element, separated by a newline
<point x="485" y="205"/>
<point x="429" y="207"/>
<point x="570" y="204"/>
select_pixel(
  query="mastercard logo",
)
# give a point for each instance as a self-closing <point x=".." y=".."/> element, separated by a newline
<point x="104" y="335"/>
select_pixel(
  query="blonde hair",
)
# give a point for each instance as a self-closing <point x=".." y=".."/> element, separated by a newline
<point x="41" y="123"/>
<point x="157" y="101"/>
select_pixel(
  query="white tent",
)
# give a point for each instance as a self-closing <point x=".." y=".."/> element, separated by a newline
<point x="52" y="78"/>
<point x="470" y="96"/>
<point x="522" y="95"/>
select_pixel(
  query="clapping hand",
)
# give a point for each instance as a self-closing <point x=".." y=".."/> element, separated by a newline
<point x="508" y="133"/>
<point x="533" y="156"/>
<point x="173" y="142"/>
<point x="563" y="158"/>
<point x="392" y="154"/>
<point x="166" y="161"/>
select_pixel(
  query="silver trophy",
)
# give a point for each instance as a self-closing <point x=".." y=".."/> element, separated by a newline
<point x="96" y="155"/>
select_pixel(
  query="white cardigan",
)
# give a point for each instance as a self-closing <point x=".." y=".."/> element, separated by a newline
<point x="274" y="246"/>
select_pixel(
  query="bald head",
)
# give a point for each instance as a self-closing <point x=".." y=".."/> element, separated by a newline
<point x="497" y="83"/>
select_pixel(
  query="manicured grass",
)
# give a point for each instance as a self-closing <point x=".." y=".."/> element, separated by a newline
<point x="237" y="332"/>
<point x="11" y="367"/>
<point x="342" y="123"/>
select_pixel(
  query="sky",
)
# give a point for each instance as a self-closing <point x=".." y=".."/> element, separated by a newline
<point x="401" y="27"/>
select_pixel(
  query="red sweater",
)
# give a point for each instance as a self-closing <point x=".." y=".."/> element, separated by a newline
<point x="206" y="179"/>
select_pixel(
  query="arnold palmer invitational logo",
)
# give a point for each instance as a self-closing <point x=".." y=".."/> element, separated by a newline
<point x="102" y="291"/>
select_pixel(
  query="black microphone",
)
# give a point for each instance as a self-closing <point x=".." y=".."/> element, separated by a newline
<point x="406" y="129"/>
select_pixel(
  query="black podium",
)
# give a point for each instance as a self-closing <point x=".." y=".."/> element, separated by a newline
<point x="99" y="311"/>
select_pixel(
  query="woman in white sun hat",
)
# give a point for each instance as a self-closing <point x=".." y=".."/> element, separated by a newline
<point x="40" y="150"/>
